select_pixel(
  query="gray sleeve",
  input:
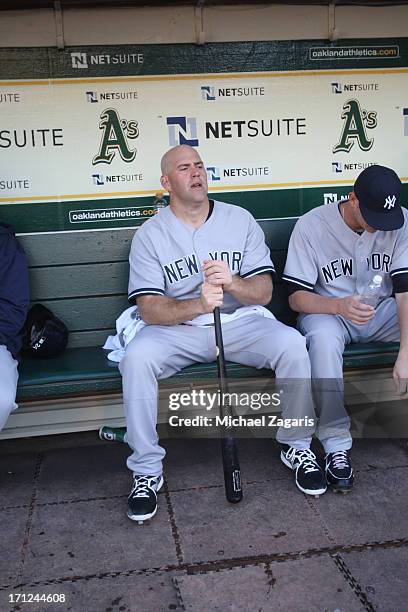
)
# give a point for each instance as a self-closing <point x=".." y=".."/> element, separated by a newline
<point x="399" y="263"/>
<point x="146" y="274"/>
<point x="256" y="258"/>
<point x="301" y="269"/>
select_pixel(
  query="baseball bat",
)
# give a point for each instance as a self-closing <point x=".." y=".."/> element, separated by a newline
<point x="230" y="462"/>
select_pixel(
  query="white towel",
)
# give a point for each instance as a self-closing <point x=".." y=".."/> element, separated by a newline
<point x="130" y="322"/>
<point x="243" y="311"/>
<point x="127" y="325"/>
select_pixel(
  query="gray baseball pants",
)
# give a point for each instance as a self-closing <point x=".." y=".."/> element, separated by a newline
<point x="8" y="384"/>
<point x="158" y="351"/>
<point x="326" y="336"/>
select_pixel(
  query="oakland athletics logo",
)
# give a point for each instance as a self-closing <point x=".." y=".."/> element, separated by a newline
<point x="114" y="138"/>
<point x="356" y="121"/>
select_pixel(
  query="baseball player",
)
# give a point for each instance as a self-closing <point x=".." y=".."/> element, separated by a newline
<point x="194" y="255"/>
<point x="13" y="311"/>
<point x="336" y="250"/>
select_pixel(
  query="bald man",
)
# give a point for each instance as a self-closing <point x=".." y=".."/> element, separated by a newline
<point x="194" y="255"/>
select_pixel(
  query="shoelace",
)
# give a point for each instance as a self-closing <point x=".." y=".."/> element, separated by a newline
<point x="340" y="460"/>
<point x="306" y="458"/>
<point x="141" y="486"/>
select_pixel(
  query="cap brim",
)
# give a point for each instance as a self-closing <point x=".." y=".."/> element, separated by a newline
<point x="384" y="221"/>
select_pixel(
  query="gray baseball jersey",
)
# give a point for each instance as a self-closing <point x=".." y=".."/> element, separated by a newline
<point x="329" y="258"/>
<point x="167" y="255"/>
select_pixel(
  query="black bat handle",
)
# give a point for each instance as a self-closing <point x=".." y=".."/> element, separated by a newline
<point x="232" y="470"/>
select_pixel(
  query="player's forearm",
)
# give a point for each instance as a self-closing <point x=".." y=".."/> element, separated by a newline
<point x="250" y="291"/>
<point x="312" y="303"/>
<point x="402" y="308"/>
<point x="162" y="310"/>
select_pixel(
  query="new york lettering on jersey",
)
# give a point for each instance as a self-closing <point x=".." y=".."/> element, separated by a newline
<point x="170" y="254"/>
<point x="189" y="265"/>
<point x="341" y="260"/>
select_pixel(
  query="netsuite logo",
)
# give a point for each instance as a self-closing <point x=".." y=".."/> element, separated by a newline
<point x="345" y="166"/>
<point x="338" y="88"/>
<point x="213" y="173"/>
<point x="213" y="93"/>
<point x="333" y="197"/>
<point x="207" y="92"/>
<point x="216" y="174"/>
<point x="91" y="96"/>
<point x="109" y="96"/>
<point x="182" y="130"/>
<point x="98" y="179"/>
<point x="79" y="60"/>
<point x="405" y="115"/>
<point x="9" y="97"/>
<point x="83" y="60"/>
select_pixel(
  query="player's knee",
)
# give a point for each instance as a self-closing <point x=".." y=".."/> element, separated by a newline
<point x="325" y="340"/>
<point x="7" y="405"/>
<point x="293" y="348"/>
<point x="294" y="343"/>
<point x="140" y="356"/>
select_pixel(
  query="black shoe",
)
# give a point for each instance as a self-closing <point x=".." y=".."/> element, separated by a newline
<point x="142" y="500"/>
<point x="309" y="477"/>
<point x="339" y="473"/>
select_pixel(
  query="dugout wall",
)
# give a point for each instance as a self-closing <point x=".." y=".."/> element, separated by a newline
<point x="287" y="104"/>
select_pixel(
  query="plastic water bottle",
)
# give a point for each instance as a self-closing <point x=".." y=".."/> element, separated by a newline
<point x="372" y="292"/>
<point x="159" y="202"/>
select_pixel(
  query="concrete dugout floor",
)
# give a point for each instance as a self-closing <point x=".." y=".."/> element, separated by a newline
<point x="64" y="530"/>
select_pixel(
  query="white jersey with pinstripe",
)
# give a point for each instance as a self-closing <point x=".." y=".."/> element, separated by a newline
<point x="329" y="258"/>
<point x="167" y="255"/>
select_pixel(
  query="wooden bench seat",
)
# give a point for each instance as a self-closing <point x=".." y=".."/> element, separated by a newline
<point x="82" y="277"/>
<point x="87" y="370"/>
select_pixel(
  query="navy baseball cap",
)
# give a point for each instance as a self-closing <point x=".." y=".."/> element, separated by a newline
<point x="44" y="334"/>
<point x="378" y="190"/>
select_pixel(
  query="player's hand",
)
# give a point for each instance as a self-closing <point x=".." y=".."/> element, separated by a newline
<point x="210" y="297"/>
<point x="353" y="310"/>
<point x="400" y="374"/>
<point x="217" y="272"/>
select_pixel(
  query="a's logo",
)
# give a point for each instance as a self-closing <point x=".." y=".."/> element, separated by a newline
<point x="207" y="92"/>
<point x="213" y="173"/>
<point x="98" y="179"/>
<point x="91" y="96"/>
<point x="356" y="121"/>
<point x="79" y="60"/>
<point x="390" y="202"/>
<point x="116" y="131"/>
<point x="337" y="167"/>
<point x="405" y="113"/>
<point x="182" y="130"/>
<point x="336" y="88"/>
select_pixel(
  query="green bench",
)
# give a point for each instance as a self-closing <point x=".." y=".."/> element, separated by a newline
<point x="82" y="277"/>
